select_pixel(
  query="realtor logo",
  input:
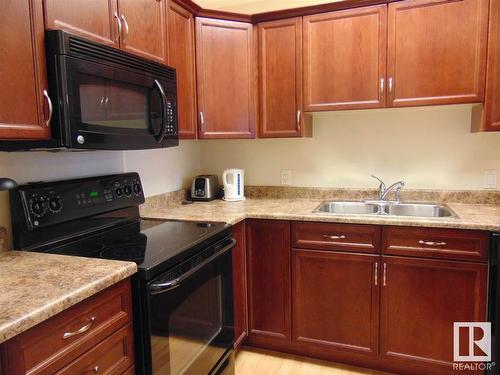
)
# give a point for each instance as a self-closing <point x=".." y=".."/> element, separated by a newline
<point x="471" y="342"/>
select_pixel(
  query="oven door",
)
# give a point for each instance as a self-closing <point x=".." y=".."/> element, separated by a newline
<point x="191" y="313"/>
<point x="108" y="107"/>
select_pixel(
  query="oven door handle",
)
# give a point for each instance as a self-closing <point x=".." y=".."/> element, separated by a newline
<point x="161" y="134"/>
<point x="165" y="286"/>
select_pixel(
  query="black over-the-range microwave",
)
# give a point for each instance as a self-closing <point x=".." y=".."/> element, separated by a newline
<point x="102" y="98"/>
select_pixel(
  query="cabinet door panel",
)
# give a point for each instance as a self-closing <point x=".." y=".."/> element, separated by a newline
<point x="421" y="298"/>
<point x="23" y="76"/>
<point x="226" y="79"/>
<point x="336" y="300"/>
<point x="437" y="51"/>
<point x="268" y="265"/>
<point x="240" y="285"/>
<point x="144" y="28"/>
<point x="92" y="19"/>
<point x="280" y="78"/>
<point x="345" y="59"/>
<point x="182" y="57"/>
<point x="492" y="98"/>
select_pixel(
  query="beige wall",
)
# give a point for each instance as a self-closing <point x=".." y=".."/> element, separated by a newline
<point x="427" y="147"/>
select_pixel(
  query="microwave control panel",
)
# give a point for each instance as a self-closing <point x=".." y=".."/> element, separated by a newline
<point x="46" y="203"/>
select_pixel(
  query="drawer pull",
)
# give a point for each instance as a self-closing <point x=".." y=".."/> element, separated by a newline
<point x="334" y="237"/>
<point x="84" y="329"/>
<point x="376" y="273"/>
<point x="432" y="243"/>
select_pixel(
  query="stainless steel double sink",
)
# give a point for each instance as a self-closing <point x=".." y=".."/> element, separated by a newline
<point x="424" y="210"/>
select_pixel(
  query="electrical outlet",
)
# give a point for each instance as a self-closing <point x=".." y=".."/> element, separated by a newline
<point x="490" y="179"/>
<point x="286" y="177"/>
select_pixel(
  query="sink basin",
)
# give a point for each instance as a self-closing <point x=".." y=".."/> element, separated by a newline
<point x="419" y="210"/>
<point x="347" y="208"/>
<point x="425" y="210"/>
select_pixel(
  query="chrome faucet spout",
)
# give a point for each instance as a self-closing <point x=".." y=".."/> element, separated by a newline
<point x="395" y="186"/>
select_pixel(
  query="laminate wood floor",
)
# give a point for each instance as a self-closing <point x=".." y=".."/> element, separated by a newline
<point x="259" y="362"/>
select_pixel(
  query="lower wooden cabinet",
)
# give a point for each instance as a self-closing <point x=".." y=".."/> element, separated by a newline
<point x="269" y="301"/>
<point x="335" y="300"/>
<point x="239" y="285"/>
<point x="420" y="300"/>
<point x="94" y="333"/>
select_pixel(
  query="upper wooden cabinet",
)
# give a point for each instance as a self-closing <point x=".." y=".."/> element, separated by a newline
<point x="92" y="19"/>
<point x="181" y="56"/>
<point x="24" y="106"/>
<point x="436" y="51"/>
<point x="226" y="79"/>
<point x="144" y="28"/>
<point x="345" y="59"/>
<point x="136" y="26"/>
<point x="280" y="78"/>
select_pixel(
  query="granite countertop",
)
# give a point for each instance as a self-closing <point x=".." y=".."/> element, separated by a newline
<point x="37" y="286"/>
<point x="470" y="216"/>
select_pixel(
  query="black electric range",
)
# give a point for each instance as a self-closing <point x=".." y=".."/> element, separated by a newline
<point x="182" y="293"/>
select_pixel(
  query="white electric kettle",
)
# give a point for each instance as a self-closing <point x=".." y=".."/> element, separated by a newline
<point x="234" y="185"/>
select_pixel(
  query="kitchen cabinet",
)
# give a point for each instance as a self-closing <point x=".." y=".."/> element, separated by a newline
<point x="436" y="52"/>
<point x="336" y="301"/>
<point x="94" y="333"/>
<point x="25" y="108"/>
<point x="181" y="56"/>
<point x="240" y="285"/>
<point x="280" y="79"/>
<point x="269" y="300"/>
<point x="226" y="79"/>
<point x="136" y="26"/>
<point x="420" y="300"/>
<point x="345" y="59"/>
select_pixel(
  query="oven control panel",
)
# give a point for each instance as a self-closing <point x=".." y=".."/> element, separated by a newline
<point x="48" y="203"/>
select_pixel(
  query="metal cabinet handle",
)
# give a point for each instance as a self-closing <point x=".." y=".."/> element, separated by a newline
<point x="202" y="122"/>
<point x="126" y="28"/>
<point x="51" y="108"/>
<point x="117" y="18"/>
<point x="432" y="243"/>
<point x="299" y="113"/>
<point x="391" y="85"/>
<point x="382" y="86"/>
<point x="384" y="276"/>
<point x="334" y="237"/>
<point x="84" y="329"/>
<point x="96" y="369"/>
<point x="376" y="273"/>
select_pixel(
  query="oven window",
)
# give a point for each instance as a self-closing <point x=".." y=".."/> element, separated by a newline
<point x="183" y="335"/>
<point x="117" y="105"/>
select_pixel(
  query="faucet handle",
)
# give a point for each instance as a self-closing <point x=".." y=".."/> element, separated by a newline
<point x="382" y="184"/>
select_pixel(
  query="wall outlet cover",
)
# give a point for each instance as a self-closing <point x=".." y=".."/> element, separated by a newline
<point x="286" y="177"/>
<point x="490" y="179"/>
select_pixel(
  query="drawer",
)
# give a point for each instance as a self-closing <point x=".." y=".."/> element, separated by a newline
<point x="112" y="356"/>
<point x="455" y="244"/>
<point x="52" y="344"/>
<point x="339" y="237"/>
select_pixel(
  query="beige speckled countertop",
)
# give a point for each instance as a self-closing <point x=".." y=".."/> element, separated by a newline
<point x="36" y="286"/>
<point x="470" y="216"/>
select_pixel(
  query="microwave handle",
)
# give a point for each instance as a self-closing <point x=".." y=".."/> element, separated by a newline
<point x="165" y="286"/>
<point x="159" y="137"/>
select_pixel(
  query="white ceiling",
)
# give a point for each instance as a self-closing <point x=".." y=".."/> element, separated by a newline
<point x="257" y="6"/>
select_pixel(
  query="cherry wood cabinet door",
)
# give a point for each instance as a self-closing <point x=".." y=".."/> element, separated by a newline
<point x="92" y="19"/>
<point x="268" y="267"/>
<point x="436" y="51"/>
<point x="226" y="78"/>
<point x="181" y="56"/>
<point x="240" y="285"/>
<point x="336" y="301"/>
<point x="420" y="300"/>
<point x="280" y="78"/>
<point x="144" y="28"/>
<point x="24" y="110"/>
<point x="345" y="59"/>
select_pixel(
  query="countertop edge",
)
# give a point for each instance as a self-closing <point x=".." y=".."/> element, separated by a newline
<point x="53" y="308"/>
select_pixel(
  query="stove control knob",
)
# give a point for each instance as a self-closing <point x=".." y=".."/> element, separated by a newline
<point x="127" y="190"/>
<point x="55" y="204"/>
<point x="119" y="192"/>
<point x="38" y="207"/>
<point x="137" y="189"/>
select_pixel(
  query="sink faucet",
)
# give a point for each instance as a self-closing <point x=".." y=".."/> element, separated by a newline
<point x="383" y="191"/>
